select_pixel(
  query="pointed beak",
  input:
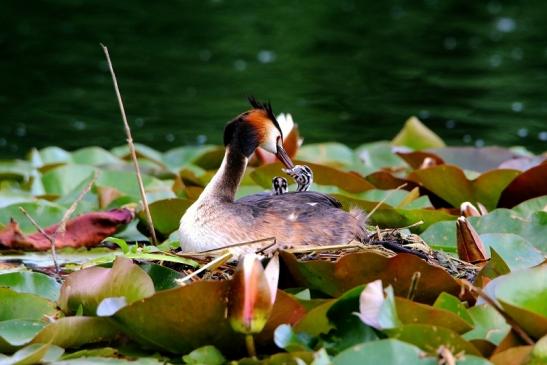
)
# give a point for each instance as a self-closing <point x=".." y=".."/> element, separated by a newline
<point x="284" y="157"/>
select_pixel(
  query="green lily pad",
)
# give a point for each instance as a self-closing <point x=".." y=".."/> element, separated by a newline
<point x="331" y="154"/>
<point x="43" y="212"/>
<point x="475" y="159"/>
<point x="16" y="305"/>
<point x="515" y="251"/>
<point x="452" y="304"/>
<point x="163" y="277"/>
<point x="166" y="214"/>
<point x="374" y="156"/>
<point x="204" y="355"/>
<point x="393" y="352"/>
<point x="18" y="332"/>
<point x="95" y="156"/>
<point x="74" y="332"/>
<point x="417" y="136"/>
<point x="488" y="324"/>
<point x="450" y="183"/>
<point x="523" y="294"/>
<point x="143" y="151"/>
<point x="54" y="155"/>
<point x="126" y="182"/>
<point x="88" y="287"/>
<point x="410" y="312"/>
<point x="527" y="208"/>
<point x="34" y="354"/>
<point x="63" y="179"/>
<point x="430" y="338"/>
<point x="31" y="282"/>
<point x="182" y="319"/>
<point x="534" y="229"/>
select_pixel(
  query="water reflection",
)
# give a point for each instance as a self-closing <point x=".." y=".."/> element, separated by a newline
<point x="350" y="71"/>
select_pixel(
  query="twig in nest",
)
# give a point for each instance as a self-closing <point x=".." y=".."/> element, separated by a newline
<point x="514" y="325"/>
<point x="210" y="266"/>
<point x="47" y="236"/>
<point x="238" y="245"/>
<point x="131" y="148"/>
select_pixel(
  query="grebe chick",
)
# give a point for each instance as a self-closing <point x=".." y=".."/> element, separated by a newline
<point x="303" y="176"/>
<point x="279" y="185"/>
<point x="216" y="220"/>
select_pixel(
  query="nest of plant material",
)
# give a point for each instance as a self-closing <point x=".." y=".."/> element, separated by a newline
<point x="220" y="265"/>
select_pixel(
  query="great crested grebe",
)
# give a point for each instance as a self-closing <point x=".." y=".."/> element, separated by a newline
<point x="215" y="220"/>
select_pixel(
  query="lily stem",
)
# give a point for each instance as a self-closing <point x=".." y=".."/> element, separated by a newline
<point x="250" y="342"/>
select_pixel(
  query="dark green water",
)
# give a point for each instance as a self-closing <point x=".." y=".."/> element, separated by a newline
<point x="351" y="71"/>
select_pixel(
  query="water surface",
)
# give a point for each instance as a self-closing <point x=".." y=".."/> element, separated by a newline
<point x="350" y="71"/>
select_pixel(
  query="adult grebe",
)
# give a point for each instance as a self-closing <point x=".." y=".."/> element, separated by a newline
<point x="215" y="220"/>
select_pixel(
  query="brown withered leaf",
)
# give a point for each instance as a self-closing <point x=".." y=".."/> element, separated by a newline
<point x="86" y="230"/>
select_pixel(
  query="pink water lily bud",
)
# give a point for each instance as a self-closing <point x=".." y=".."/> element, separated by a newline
<point x="251" y="300"/>
<point x="469" y="210"/>
<point x="470" y="246"/>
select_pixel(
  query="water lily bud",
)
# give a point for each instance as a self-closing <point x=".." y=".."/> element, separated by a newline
<point x="470" y="246"/>
<point x="250" y="301"/>
<point x="468" y="210"/>
<point x="428" y="162"/>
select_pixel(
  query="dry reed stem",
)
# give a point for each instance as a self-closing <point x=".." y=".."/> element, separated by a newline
<point x="131" y="148"/>
<point x="267" y="239"/>
<point x="47" y="236"/>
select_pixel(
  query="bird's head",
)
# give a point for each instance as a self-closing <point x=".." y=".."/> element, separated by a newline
<point x="257" y="127"/>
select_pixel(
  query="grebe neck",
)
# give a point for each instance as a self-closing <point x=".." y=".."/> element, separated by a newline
<point x="224" y="184"/>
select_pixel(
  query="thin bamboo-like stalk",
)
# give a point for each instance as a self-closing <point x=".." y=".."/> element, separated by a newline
<point x="131" y="149"/>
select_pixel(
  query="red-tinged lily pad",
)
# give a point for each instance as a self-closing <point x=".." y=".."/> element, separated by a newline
<point x="514" y="356"/>
<point x="385" y="179"/>
<point x="334" y="278"/>
<point x="530" y="184"/>
<point x="182" y="319"/>
<point x="166" y="214"/>
<point x="449" y="183"/>
<point x="73" y="332"/>
<point x="523" y="294"/>
<point x="410" y="312"/>
<point x="86" y="230"/>
<point x="388" y="217"/>
<point x="87" y="288"/>
<point x="416" y="158"/>
<point x="322" y="175"/>
<point x="430" y="338"/>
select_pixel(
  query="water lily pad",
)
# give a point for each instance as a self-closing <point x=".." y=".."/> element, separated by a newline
<point x="475" y="159"/>
<point x="390" y="351"/>
<point x="488" y="324"/>
<point x="63" y="179"/>
<point x="527" y="208"/>
<point x="16" y="305"/>
<point x="334" y="278"/>
<point x="18" y="332"/>
<point x="88" y="287"/>
<point x="450" y="183"/>
<point x="166" y="214"/>
<point x="31" y="282"/>
<point x="417" y="136"/>
<point x="54" y="155"/>
<point x="34" y="354"/>
<point x="430" y="338"/>
<point x="374" y="156"/>
<point x="331" y="154"/>
<point x="95" y="156"/>
<point x="530" y="184"/>
<point x="523" y="294"/>
<point x="73" y="332"/>
<point x="204" y="355"/>
<point x="43" y="212"/>
<point x="410" y="312"/>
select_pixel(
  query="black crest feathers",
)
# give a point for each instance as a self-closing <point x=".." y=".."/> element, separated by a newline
<point x="267" y="107"/>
